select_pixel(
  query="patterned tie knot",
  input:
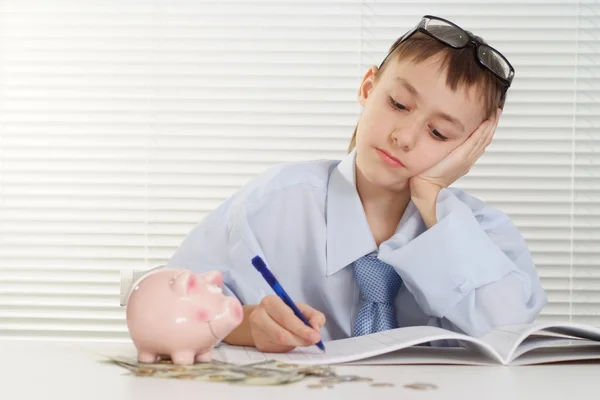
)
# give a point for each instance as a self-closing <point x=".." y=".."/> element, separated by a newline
<point x="378" y="281"/>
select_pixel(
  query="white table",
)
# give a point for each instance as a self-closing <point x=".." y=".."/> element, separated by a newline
<point x="32" y="370"/>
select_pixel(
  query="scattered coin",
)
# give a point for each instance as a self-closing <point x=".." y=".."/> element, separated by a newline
<point x="330" y="380"/>
<point x="320" y="386"/>
<point x="222" y="378"/>
<point x="287" y="366"/>
<point x="382" y="384"/>
<point x="348" y="378"/>
<point x="145" y="371"/>
<point x="184" y="376"/>
<point x="421" y="386"/>
<point x="316" y="370"/>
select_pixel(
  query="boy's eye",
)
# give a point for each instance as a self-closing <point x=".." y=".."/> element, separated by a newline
<point x="395" y="104"/>
<point x="437" y="135"/>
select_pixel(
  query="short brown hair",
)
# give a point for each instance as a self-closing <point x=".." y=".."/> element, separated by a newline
<point x="461" y="65"/>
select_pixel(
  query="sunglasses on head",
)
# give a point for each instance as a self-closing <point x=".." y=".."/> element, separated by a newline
<point x="454" y="36"/>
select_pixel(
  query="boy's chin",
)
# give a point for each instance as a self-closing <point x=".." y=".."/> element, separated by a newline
<point x="385" y="179"/>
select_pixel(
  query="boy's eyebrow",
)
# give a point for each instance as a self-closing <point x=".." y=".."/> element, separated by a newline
<point x="411" y="89"/>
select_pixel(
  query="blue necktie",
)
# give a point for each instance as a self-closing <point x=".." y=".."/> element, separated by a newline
<point x="378" y="283"/>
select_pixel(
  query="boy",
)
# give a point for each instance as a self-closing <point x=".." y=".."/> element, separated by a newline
<point x="378" y="240"/>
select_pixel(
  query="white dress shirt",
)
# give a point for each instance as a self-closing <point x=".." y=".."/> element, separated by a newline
<point x="470" y="272"/>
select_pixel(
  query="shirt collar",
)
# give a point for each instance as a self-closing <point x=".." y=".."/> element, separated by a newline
<point x="348" y="234"/>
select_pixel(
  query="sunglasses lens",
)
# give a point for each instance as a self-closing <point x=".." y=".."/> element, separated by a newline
<point x="494" y="61"/>
<point x="446" y="32"/>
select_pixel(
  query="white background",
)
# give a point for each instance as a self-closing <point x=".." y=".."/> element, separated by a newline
<point x="123" y="122"/>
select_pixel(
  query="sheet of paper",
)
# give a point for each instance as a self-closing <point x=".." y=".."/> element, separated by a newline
<point x="344" y="350"/>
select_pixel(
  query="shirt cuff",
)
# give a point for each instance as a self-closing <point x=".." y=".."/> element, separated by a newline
<point x="449" y="260"/>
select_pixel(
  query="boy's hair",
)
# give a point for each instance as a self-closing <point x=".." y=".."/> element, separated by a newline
<point x="462" y="67"/>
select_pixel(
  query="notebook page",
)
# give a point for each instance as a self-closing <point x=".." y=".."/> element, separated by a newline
<point x="539" y="341"/>
<point x="429" y="355"/>
<point x="506" y="340"/>
<point x="344" y="350"/>
<point x="559" y="354"/>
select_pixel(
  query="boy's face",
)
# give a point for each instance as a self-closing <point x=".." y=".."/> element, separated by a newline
<point x="411" y="115"/>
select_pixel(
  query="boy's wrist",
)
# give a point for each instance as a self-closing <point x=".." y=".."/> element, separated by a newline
<point x="426" y="200"/>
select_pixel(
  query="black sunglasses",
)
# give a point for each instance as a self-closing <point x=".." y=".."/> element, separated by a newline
<point x="454" y="36"/>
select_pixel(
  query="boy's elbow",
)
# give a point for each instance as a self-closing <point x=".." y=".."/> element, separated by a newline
<point x="519" y="308"/>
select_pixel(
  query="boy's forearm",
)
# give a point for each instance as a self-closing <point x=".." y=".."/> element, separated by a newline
<point x="241" y="335"/>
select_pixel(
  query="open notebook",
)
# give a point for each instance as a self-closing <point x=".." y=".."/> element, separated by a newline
<point x="513" y="345"/>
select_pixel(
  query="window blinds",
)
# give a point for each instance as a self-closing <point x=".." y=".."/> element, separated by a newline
<point x="123" y="123"/>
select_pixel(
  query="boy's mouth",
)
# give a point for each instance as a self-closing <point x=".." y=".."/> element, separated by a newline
<point x="389" y="159"/>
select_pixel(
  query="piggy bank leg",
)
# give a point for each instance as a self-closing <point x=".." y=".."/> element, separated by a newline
<point x="147" y="356"/>
<point x="204" y="357"/>
<point x="183" y="357"/>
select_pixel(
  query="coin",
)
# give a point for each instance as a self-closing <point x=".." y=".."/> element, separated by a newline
<point x="222" y="378"/>
<point x="184" y="376"/>
<point x="319" y="371"/>
<point x="382" y="384"/>
<point x="319" y="386"/>
<point x="348" y="378"/>
<point x="287" y="366"/>
<point x="145" y="371"/>
<point x="330" y="380"/>
<point x="421" y="386"/>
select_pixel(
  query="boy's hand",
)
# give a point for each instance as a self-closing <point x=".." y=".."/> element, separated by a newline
<point x="425" y="186"/>
<point x="276" y="329"/>
<point x="459" y="161"/>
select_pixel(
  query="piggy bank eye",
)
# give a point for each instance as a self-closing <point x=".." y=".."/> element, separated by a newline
<point x="214" y="288"/>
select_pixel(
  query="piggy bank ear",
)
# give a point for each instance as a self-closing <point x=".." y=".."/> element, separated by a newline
<point x="213" y="277"/>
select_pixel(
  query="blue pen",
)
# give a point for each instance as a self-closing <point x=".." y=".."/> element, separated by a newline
<point x="261" y="267"/>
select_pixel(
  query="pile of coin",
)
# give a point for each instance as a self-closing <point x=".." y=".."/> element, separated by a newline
<point x="263" y="373"/>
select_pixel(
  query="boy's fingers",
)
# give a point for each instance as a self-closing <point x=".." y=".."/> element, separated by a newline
<point x="284" y="316"/>
<point x="471" y="144"/>
<point x="484" y="139"/>
<point x="275" y="332"/>
<point x="316" y="318"/>
<point x="316" y="323"/>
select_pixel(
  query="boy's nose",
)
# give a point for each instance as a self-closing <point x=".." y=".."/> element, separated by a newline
<point x="405" y="137"/>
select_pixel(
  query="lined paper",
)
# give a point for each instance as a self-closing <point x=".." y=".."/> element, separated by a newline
<point x="344" y="350"/>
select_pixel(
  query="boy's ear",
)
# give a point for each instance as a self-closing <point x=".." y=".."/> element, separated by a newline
<point x="366" y="85"/>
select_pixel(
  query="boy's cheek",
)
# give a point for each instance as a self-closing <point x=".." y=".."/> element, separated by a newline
<point x="426" y="161"/>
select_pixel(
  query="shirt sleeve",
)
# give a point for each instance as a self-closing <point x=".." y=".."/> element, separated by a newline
<point x="471" y="269"/>
<point x="220" y="243"/>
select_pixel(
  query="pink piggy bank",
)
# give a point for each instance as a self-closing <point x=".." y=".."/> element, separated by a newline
<point x="177" y="313"/>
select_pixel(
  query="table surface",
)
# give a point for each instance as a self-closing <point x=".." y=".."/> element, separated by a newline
<point x="34" y="370"/>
